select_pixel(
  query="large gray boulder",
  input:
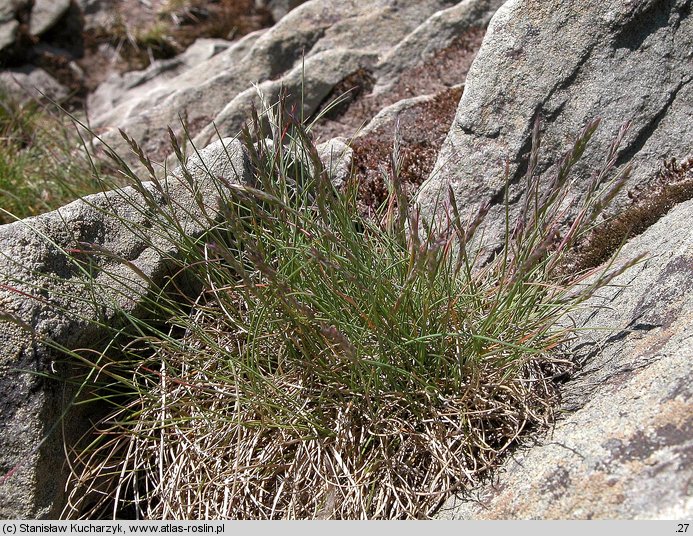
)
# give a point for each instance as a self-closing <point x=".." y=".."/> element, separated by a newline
<point x="45" y="295"/>
<point x="570" y="61"/>
<point x="621" y="447"/>
<point x="334" y="38"/>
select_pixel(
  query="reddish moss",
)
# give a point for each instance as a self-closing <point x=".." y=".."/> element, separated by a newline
<point x="422" y="129"/>
<point x="447" y="67"/>
<point x="673" y="184"/>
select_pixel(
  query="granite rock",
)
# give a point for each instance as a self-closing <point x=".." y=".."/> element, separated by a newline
<point x="569" y="62"/>
<point x="314" y="47"/>
<point x="621" y="447"/>
<point x="45" y="14"/>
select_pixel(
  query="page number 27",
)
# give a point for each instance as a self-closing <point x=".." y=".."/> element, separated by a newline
<point x="682" y="527"/>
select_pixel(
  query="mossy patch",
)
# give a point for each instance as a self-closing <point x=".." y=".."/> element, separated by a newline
<point x="671" y="185"/>
<point x="422" y="129"/>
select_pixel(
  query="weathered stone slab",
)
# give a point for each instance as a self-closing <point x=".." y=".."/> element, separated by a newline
<point x="8" y="33"/>
<point x="30" y="82"/>
<point x="45" y="14"/>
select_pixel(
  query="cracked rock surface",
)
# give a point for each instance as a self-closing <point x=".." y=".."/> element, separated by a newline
<point x="312" y="49"/>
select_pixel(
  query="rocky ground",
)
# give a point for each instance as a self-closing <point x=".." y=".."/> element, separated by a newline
<point x="66" y="49"/>
<point x="463" y="100"/>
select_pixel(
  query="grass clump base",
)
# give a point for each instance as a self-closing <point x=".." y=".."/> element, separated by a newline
<point x="334" y="366"/>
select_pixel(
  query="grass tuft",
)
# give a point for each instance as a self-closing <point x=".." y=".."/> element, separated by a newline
<point x="332" y="365"/>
